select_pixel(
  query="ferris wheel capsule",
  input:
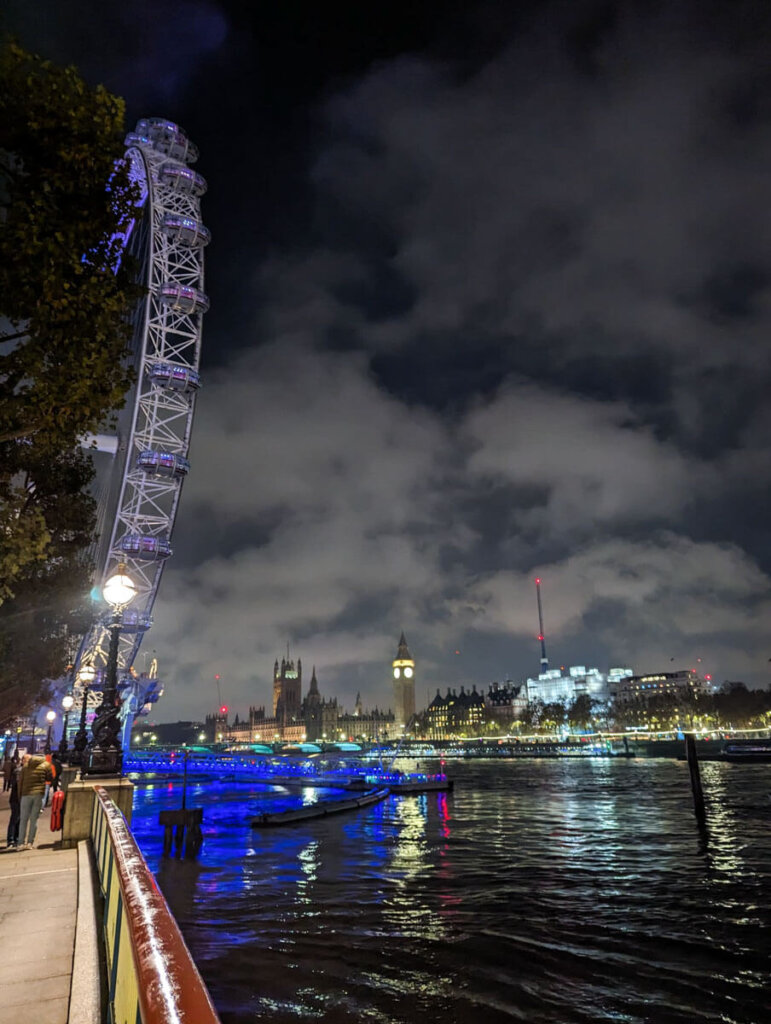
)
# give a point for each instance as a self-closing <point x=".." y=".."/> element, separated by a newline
<point x="150" y="549"/>
<point x="137" y="139"/>
<point x="167" y="137"/>
<point x="159" y="463"/>
<point x="174" y="377"/>
<point x="181" y="178"/>
<point x="185" y="229"/>
<point x="183" y="298"/>
<point x="135" y="622"/>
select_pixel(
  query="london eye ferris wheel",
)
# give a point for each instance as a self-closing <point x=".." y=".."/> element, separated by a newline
<point x="146" y="461"/>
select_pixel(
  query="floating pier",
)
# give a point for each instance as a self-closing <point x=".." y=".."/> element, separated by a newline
<point x="318" y="810"/>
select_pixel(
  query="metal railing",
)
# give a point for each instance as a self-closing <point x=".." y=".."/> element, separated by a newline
<point x="151" y="976"/>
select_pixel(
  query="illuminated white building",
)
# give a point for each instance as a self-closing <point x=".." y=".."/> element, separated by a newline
<point x="552" y="686"/>
<point x="684" y="682"/>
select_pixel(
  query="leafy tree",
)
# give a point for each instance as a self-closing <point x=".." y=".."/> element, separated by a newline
<point x="47" y="608"/>
<point x="739" y="707"/>
<point x="580" y="711"/>
<point x="624" y="713"/>
<point x="65" y="304"/>
<point x="65" y="296"/>
<point x="554" y="714"/>
<point x="532" y="715"/>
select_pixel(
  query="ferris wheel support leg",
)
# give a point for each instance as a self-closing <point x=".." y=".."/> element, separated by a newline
<point x="125" y="730"/>
<point x="104" y="755"/>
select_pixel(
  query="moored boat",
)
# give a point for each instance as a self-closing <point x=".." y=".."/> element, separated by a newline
<point x="746" y="753"/>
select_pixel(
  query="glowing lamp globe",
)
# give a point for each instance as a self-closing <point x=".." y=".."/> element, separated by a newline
<point x="67" y="702"/>
<point x="119" y="589"/>
<point x="86" y="674"/>
<point x="50" y="716"/>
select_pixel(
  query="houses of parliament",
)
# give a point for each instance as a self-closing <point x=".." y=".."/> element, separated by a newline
<point x="296" y="719"/>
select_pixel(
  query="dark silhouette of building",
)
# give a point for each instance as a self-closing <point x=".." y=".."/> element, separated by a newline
<point x="287" y="691"/>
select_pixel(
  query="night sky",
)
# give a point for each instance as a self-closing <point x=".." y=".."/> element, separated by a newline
<point x="490" y="298"/>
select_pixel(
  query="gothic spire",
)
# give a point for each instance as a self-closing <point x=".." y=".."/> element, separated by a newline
<point x="403" y="654"/>
<point x="314" y="687"/>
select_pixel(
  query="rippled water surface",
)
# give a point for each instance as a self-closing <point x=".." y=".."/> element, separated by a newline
<point x="539" y="891"/>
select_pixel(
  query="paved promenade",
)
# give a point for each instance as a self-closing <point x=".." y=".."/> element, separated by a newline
<point x="38" y="911"/>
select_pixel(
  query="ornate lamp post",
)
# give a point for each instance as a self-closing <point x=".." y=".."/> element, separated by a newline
<point x="50" y="716"/>
<point x="67" y="702"/>
<point x="86" y="675"/>
<point x="104" y="755"/>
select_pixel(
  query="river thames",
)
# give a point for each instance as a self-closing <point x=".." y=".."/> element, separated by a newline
<point x="554" y="891"/>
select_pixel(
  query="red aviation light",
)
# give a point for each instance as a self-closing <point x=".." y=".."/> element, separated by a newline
<point x="540" y="636"/>
<point x="224" y="709"/>
<point x="538" y="579"/>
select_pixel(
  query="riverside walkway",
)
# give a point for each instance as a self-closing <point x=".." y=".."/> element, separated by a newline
<point x="87" y="935"/>
<point x="38" y="915"/>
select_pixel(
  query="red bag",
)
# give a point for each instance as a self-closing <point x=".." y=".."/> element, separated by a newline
<point x="57" y="811"/>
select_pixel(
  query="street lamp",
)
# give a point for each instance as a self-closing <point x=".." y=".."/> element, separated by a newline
<point x="86" y="676"/>
<point x="105" y="755"/>
<point x="67" y="701"/>
<point x="50" y="717"/>
<point x="5" y="747"/>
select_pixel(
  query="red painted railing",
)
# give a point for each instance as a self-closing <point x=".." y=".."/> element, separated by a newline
<point x="159" y="976"/>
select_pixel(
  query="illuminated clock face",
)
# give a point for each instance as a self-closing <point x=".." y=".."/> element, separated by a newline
<point x="408" y="672"/>
<point x="397" y="673"/>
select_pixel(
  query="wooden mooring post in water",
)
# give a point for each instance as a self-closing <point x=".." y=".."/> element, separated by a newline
<point x="182" y="823"/>
<point x="693" y="768"/>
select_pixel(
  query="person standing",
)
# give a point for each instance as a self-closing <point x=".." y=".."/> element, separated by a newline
<point x="35" y="773"/>
<point x="7" y="772"/>
<point x="12" y="835"/>
<point x="56" y="764"/>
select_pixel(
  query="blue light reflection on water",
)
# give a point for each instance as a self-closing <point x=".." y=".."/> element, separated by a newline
<point x="547" y="892"/>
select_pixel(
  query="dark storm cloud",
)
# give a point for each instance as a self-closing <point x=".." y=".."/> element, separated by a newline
<point x="601" y="219"/>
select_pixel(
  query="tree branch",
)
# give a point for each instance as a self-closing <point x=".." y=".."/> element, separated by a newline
<point x="13" y="337"/>
<point x="16" y="435"/>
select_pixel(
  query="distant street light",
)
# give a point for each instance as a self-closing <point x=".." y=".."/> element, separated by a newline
<point x="86" y="676"/>
<point x="105" y="754"/>
<point x="50" y="717"/>
<point x="67" y="701"/>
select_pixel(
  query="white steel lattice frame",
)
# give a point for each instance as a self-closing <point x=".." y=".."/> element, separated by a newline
<point x="162" y="418"/>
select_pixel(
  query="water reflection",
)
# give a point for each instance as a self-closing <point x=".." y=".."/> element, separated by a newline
<point x="545" y="892"/>
<point x="309" y="866"/>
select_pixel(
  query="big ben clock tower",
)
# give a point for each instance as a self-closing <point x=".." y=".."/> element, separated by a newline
<point x="404" y="684"/>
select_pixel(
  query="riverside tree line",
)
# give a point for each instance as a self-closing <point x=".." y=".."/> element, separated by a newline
<point x="734" y="706"/>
